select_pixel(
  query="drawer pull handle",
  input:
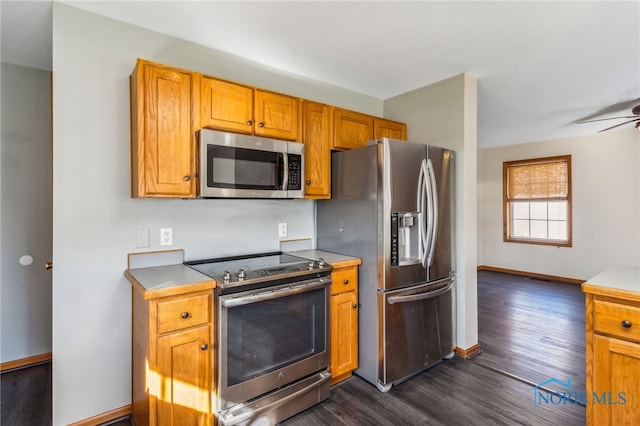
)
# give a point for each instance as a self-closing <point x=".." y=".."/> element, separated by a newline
<point x="345" y="282"/>
<point x="626" y="324"/>
<point x="185" y="315"/>
<point x="204" y="346"/>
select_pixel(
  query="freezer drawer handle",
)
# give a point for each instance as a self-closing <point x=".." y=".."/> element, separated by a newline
<point x="420" y="296"/>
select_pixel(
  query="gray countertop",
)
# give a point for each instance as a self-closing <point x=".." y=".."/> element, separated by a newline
<point x="334" y="259"/>
<point x="159" y="281"/>
<point x="624" y="278"/>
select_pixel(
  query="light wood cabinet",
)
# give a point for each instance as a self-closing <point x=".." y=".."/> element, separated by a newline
<point x="344" y="323"/>
<point x="172" y="371"/>
<point x="316" y="136"/>
<point x="226" y="106"/>
<point x="613" y="356"/>
<point x="351" y="129"/>
<point x="163" y="145"/>
<point x="243" y="109"/>
<point x="383" y="128"/>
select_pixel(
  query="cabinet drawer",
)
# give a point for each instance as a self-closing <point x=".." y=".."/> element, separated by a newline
<point x="344" y="280"/>
<point x="183" y="312"/>
<point x="610" y="317"/>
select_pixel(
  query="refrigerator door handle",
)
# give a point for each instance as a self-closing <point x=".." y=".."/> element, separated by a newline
<point x="420" y="205"/>
<point x="433" y="214"/>
<point x="428" y="191"/>
<point x="420" y="296"/>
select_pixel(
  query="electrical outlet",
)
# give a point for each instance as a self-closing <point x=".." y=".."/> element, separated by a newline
<point x="282" y="229"/>
<point x="166" y="236"/>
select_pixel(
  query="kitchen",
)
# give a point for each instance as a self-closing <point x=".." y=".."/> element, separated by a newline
<point x="92" y="181"/>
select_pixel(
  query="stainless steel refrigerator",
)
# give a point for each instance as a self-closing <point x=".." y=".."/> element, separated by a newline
<point x="392" y="206"/>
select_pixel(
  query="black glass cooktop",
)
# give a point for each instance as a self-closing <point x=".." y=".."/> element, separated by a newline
<point x="256" y="267"/>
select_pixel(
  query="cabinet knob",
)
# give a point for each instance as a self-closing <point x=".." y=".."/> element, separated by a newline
<point x="204" y="346"/>
<point x="48" y="265"/>
<point x="185" y="315"/>
<point x="187" y="178"/>
<point x="308" y="182"/>
<point x="345" y="282"/>
<point x="249" y="123"/>
<point x="260" y="124"/>
<point x="355" y="305"/>
<point x="626" y="324"/>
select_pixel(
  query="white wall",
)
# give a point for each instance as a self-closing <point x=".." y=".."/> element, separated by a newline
<point x="444" y="114"/>
<point x="25" y="291"/>
<point x="94" y="217"/>
<point x="606" y="206"/>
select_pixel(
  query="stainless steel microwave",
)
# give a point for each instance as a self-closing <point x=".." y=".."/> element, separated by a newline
<point x="242" y="166"/>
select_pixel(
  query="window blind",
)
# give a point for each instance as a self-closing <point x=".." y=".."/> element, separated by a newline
<point x="538" y="181"/>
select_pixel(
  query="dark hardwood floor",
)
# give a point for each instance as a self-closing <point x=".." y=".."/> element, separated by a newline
<point x="529" y="331"/>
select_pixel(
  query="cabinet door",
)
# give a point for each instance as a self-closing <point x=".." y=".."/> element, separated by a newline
<point x="226" y="106"/>
<point x="616" y="383"/>
<point x="344" y="334"/>
<point x="184" y="373"/>
<point x="316" y="135"/>
<point x="351" y="129"/>
<point x="163" y="140"/>
<point x="276" y="115"/>
<point x="389" y="129"/>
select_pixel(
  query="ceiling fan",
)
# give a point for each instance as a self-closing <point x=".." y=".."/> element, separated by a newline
<point x="634" y="118"/>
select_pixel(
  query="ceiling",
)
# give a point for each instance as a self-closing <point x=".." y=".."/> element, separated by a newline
<point x="541" y="66"/>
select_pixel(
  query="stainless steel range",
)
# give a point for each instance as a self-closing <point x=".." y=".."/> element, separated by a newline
<point x="272" y="335"/>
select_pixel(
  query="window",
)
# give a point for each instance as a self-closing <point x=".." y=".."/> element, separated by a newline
<point x="537" y="201"/>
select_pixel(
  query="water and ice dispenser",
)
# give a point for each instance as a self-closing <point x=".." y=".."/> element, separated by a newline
<point x="404" y="239"/>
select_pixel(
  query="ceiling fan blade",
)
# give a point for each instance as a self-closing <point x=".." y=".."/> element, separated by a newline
<point x="603" y="119"/>
<point x="618" y="125"/>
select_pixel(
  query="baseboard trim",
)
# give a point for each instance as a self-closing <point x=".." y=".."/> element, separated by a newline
<point x="469" y="352"/>
<point x="25" y="362"/>
<point x="105" y="417"/>
<point x="530" y="274"/>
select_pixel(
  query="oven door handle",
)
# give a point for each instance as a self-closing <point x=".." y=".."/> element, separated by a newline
<point x="261" y="296"/>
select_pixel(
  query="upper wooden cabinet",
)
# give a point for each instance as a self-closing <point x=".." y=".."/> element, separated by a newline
<point x="276" y="115"/>
<point x="316" y="135"/>
<point x="351" y="129"/>
<point x="237" y="108"/>
<point x="163" y="145"/>
<point x="383" y="128"/>
<point x="226" y="106"/>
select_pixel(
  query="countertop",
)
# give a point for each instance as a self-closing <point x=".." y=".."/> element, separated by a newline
<point x="160" y="281"/>
<point x="623" y="281"/>
<point x="334" y="259"/>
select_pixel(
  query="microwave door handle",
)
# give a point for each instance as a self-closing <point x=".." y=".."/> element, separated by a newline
<point x="285" y="164"/>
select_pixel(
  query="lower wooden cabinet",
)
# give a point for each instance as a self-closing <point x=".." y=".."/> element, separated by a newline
<point x="613" y="357"/>
<point x="173" y="359"/>
<point x="344" y="323"/>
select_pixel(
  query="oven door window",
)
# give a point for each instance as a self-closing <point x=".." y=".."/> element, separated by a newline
<point x="268" y="335"/>
<point x="239" y="168"/>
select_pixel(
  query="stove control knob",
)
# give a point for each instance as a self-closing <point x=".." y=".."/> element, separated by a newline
<point x="241" y="274"/>
<point x="311" y="264"/>
<point x="321" y="263"/>
<point x="226" y="277"/>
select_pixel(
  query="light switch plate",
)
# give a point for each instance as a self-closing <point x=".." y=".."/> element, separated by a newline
<point x="142" y="237"/>
<point x="282" y="229"/>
